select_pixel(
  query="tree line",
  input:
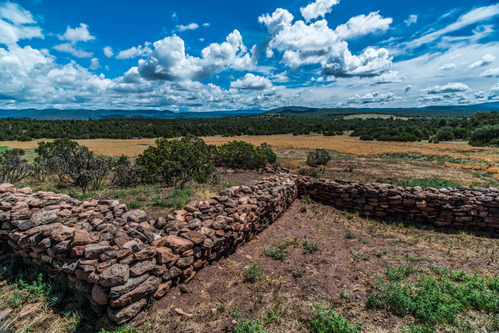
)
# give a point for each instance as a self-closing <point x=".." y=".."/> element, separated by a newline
<point x="480" y="129"/>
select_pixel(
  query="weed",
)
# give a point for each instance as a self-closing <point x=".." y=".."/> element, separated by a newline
<point x="435" y="299"/>
<point x="288" y="242"/>
<point x="276" y="253"/>
<point x="350" y="235"/>
<point x="179" y="198"/>
<point x="361" y="255"/>
<point x="252" y="274"/>
<point x="120" y="329"/>
<point x="244" y="325"/>
<point x="134" y="205"/>
<point x="298" y="273"/>
<point x="324" y="320"/>
<point x="399" y="273"/>
<point x="303" y="209"/>
<point x="345" y="293"/>
<point x="221" y="306"/>
<point x="276" y="313"/>
<point x="310" y="246"/>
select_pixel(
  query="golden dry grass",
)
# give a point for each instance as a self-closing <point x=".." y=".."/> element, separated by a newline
<point x="341" y="144"/>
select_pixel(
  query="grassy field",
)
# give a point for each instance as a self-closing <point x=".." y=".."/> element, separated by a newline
<point x="340" y="144"/>
<point x="373" y="116"/>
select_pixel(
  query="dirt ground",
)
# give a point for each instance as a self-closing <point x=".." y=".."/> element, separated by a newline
<point x="351" y="251"/>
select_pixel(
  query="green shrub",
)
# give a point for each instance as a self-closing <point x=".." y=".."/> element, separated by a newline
<point x="484" y="136"/>
<point x="244" y="325"/>
<point x="13" y="168"/>
<point x="252" y="273"/>
<point x="324" y="320"/>
<point x="311" y="172"/>
<point x="276" y="253"/>
<point x="435" y="299"/>
<point x="240" y="155"/>
<point x="176" y="162"/>
<point x="445" y="133"/>
<point x="266" y="150"/>
<point x="310" y="246"/>
<point x="318" y="157"/>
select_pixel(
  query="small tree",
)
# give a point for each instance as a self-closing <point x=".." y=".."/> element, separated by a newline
<point x="318" y="157"/>
<point x="445" y="133"/>
<point x="125" y="173"/>
<point x="176" y="162"/>
<point x="13" y="168"/>
<point x="240" y="155"/>
<point x="266" y="150"/>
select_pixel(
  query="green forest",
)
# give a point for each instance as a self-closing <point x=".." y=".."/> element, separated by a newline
<point x="480" y="129"/>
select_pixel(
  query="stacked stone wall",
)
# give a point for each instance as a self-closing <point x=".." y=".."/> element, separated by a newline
<point x="449" y="207"/>
<point x="120" y="257"/>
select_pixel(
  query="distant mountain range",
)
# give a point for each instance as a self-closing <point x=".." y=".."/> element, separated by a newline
<point x="54" y="114"/>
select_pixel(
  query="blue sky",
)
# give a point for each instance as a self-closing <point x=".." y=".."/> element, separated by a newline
<point x="226" y="55"/>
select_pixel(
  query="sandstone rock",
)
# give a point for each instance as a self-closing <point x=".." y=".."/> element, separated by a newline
<point x="162" y="289"/>
<point x="145" y="289"/>
<point x="165" y="255"/>
<point x="115" y="275"/>
<point x="121" y="315"/>
<point x="81" y="237"/>
<point x="141" y="267"/>
<point x="100" y="294"/>
<point x="178" y="244"/>
<point x="145" y="253"/>
<point x="131" y="284"/>
<point x="61" y="233"/>
<point x="93" y="251"/>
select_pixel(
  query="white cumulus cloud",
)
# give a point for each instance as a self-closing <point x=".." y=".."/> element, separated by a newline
<point x="486" y="59"/>
<point x="252" y="82"/>
<point x="190" y="26"/>
<point x="362" y="25"/>
<point x="108" y="51"/>
<point x="316" y="9"/>
<point x="72" y="49"/>
<point x="448" y="88"/>
<point x="413" y="19"/>
<point x="16" y="23"/>
<point x="78" y="34"/>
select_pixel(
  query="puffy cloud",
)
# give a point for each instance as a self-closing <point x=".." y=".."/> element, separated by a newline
<point x="370" y="98"/>
<point x="486" y="59"/>
<point x="413" y="19"/>
<point x="315" y="43"/>
<point x="279" y="20"/>
<point x="16" y="23"/>
<point x="388" y="77"/>
<point x="134" y="52"/>
<point x="493" y="72"/>
<point x="206" y="25"/>
<point x="363" y="25"/>
<point x="167" y="60"/>
<point x="447" y="67"/>
<point x="72" y="49"/>
<point x="78" y="34"/>
<point x="108" y="51"/>
<point x="472" y="17"/>
<point x="252" y="82"/>
<point x="371" y="62"/>
<point x="448" y="88"/>
<point x="316" y="9"/>
<point x="94" y="63"/>
<point x="190" y="26"/>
